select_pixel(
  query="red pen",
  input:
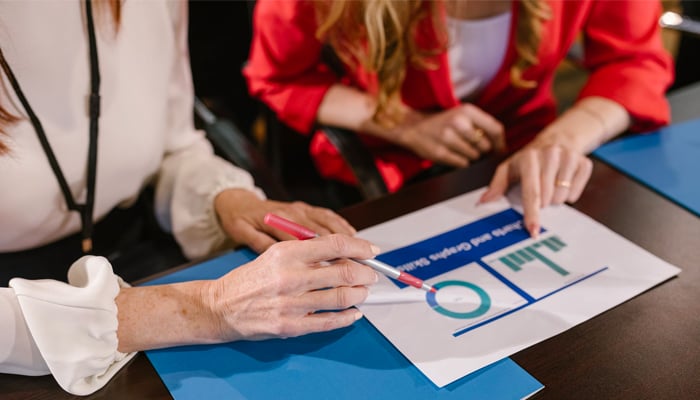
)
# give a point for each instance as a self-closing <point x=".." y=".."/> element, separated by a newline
<point x="302" y="233"/>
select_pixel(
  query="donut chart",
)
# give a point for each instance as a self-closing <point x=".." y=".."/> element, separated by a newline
<point x="485" y="300"/>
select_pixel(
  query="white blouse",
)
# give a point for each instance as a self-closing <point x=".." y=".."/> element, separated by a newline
<point x="476" y="52"/>
<point x="146" y="134"/>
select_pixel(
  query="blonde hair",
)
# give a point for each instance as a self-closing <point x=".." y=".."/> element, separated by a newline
<point x="7" y="118"/>
<point x="528" y="36"/>
<point x="380" y="35"/>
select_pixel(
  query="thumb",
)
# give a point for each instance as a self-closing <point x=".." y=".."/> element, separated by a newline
<point x="499" y="183"/>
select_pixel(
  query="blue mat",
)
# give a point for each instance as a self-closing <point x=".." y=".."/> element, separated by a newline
<point x="352" y="363"/>
<point x="668" y="161"/>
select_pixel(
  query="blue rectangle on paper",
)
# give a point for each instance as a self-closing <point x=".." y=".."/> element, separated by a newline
<point x="460" y="246"/>
<point x="351" y="363"/>
<point x="667" y="161"/>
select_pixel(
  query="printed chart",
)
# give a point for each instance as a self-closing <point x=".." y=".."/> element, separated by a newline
<point x="505" y="270"/>
<point x="530" y="272"/>
<point x="499" y="290"/>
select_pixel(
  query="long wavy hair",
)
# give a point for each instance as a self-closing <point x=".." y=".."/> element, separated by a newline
<point x="102" y="7"/>
<point x="380" y="35"/>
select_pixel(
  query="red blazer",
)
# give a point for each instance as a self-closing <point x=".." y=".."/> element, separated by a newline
<point x="624" y="55"/>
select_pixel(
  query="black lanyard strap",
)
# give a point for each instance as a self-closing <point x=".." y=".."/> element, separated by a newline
<point x="85" y="210"/>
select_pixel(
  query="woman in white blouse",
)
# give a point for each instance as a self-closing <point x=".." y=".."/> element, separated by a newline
<point x="84" y="331"/>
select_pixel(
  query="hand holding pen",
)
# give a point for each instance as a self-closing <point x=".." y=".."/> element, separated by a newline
<point x="303" y="233"/>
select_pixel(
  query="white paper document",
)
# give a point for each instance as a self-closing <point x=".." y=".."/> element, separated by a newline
<point x="499" y="291"/>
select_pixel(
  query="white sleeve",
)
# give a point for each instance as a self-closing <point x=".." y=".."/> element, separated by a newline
<point x="66" y="329"/>
<point x="191" y="175"/>
<point x="187" y="185"/>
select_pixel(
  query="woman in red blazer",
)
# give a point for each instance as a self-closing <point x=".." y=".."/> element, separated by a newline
<point x="400" y="86"/>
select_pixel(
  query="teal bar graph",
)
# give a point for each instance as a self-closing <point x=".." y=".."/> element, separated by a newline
<point x="514" y="266"/>
<point x="517" y="258"/>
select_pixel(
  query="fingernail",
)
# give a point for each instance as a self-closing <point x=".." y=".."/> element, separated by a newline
<point x="486" y="196"/>
<point x="358" y="315"/>
<point x="534" y="230"/>
<point x="375" y="249"/>
<point x="376" y="277"/>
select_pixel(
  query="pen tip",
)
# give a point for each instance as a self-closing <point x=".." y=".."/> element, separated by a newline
<point x="433" y="290"/>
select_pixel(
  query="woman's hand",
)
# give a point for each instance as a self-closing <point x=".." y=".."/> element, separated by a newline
<point x="241" y="213"/>
<point x="292" y="288"/>
<point x="553" y="168"/>
<point x="548" y="174"/>
<point x="453" y="137"/>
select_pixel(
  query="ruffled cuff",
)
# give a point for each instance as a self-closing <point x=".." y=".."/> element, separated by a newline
<point x="195" y="223"/>
<point x="74" y="325"/>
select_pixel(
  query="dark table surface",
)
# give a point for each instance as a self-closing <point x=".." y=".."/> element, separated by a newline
<point x="648" y="347"/>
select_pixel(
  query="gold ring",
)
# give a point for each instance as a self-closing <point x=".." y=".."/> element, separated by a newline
<point x="562" y="183"/>
<point x="478" y="135"/>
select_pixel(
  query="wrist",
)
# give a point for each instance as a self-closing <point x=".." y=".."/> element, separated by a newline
<point x="160" y="316"/>
<point x="559" y="136"/>
<point x="575" y="130"/>
<point x="210" y="298"/>
<point x="395" y="127"/>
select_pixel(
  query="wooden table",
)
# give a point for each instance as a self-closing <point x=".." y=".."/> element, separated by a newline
<point x="648" y="347"/>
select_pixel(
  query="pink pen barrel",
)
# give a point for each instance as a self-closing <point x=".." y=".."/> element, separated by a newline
<point x="415" y="282"/>
<point x="298" y="231"/>
<point x="410" y="280"/>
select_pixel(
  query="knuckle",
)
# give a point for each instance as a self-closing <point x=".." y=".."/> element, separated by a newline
<point x="440" y="153"/>
<point x="445" y="134"/>
<point x="531" y="156"/>
<point x="532" y="192"/>
<point x="285" y="328"/>
<point x="587" y="164"/>
<point x="553" y="150"/>
<point x="326" y="213"/>
<point x="279" y="251"/>
<point x="347" y="273"/>
<point x="274" y="253"/>
<point x="278" y="281"/>
<point x="332" y="323"/>
<point x="343" y="297"/>
<point x="529" y="153"/>
<point x="523" y="158"/>
<point x="276" y="326"/>
<point x="554" y="147"/>
<point x="462" y="123"/>
<point x="500" y="129"/>
<point x="450" y="119"/>
<point x="468" y="108"/>
<point x="337" y="243"/>
<point x="299" y="204"/>
<point x="329" y="324"/>
<point x="545" y="155"/>
<point x="362" y="293"/>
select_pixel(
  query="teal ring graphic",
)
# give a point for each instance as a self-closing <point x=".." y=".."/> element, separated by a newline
<point x="479" y="311"/>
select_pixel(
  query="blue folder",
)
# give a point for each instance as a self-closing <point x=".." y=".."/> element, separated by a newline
<point x="351" y="363"/>
<point x="667" y="161"/>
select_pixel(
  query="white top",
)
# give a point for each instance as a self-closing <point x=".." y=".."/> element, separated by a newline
<point x="476" y="52"/>
<point x="146" y="133"/>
